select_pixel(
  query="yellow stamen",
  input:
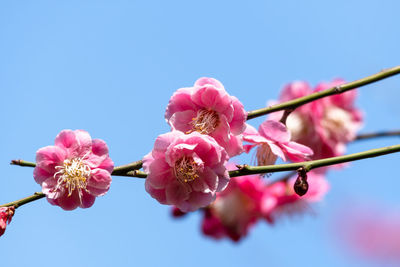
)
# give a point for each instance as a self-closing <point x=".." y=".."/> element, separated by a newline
<point x="186" y="170"/>
<point x="73" y="174"/>
<point x="205" y="122"/>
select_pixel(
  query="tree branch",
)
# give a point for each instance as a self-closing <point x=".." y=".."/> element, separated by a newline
<point x="377" y="134"/>
<point x="313" y="164"/>
<point x="23" y="201"/>
<point x="292" y="104"/>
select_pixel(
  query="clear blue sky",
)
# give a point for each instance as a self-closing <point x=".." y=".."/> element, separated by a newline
<point x="109" y="67"/>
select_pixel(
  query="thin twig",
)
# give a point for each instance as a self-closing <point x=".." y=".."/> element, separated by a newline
<point x="292" y="104"/>
<point x="377" y="134"/>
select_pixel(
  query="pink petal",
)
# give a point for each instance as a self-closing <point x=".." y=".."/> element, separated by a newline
<point x="277" y="151"/>
<point x="238" y="122"/>
<point x="147" y="160"/>
<point x="199" y="200"/>
<point x="182" y="121"/>
<point x="160" y="174"/>
<point x="177" y="193"/>
<point x="87" y="200"/>
<point x="107" y="165"/>
<point x="76" y="143"/>
<point x="163" y="141"/>
<point x="41" y="175"/>
<point x="180" y="101"/>
<point x="251" y="135"/>
<point x="99" y="182"/>
<point x="67" y="202"/>
<point x="295" y="90"/>
<point x="211" y="179"/>
<point x="275" y="131"/>
<point x="234" y="146"/>
<point x="99" y="147"/>
<point x="66" y="139"/>
<point x="84" y="142"/>
<point x="49" y="157"/>
<point x="158" y="194"/>
<point x="205" y="80"/>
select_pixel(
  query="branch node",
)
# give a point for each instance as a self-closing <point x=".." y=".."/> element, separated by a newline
<point x="15" y="162"/>
<point x="337" y="89"/>
<point x="242" y="166"/>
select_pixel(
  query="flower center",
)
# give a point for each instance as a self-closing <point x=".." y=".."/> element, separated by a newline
<point x="73" y="174"/>
<point x="297" y="125"/>
<point x="186" y="170"/>
<point x="338" y="123"/>
<point x="234" y="210"/>
<point x="205" y="122"/>
<point x="265" y="156"/>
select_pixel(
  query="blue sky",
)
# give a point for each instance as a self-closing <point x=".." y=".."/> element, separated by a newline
<point x="109" y="67"/>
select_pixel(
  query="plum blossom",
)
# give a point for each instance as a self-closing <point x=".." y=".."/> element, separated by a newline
<point x="273" y="140"/>
<point x="6" y="214"/>
<point x="280" y="198"/>
<point x="208" y="109"/>
<point x="325" y="125"/>
<point x="236" y="209"/>
<point x="75" y="170"/>
<point x="371" y="231"/>
<point x="185" y="170"/>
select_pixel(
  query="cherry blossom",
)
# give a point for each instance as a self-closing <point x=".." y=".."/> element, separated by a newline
<point x="185" y="170"/>
<point x="236" y="209"/>
<point x="273" y="140"/>
<point x="325" y="125"/>
<point x="280" y="198"/>
<point x="6" y="214"/>
<point x="75" y="170"/>
<point x="208" y="109"/>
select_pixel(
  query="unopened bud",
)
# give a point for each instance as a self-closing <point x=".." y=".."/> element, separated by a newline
<point x="300" y="186"/>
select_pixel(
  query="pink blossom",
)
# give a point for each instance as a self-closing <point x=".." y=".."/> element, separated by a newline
<point x="325" y="125"/>
<point x="273" y="140"/>
<point x="6" y="214"/>
<point x="75" y="170"/>
<point x="280" y="198"/>
<point x="236" y="209"/>
<point x="185" y="170"/>
<point x="370" y="231"/>
<point x="208" y="109"/>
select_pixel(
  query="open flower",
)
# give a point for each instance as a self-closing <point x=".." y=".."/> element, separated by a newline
<point x="280" y="198"/>
<point x="236" y="209"/>
<point x="75" y="170"/>
<point x="273" y="140"/>
<point x="325" y="125"/>
<point x="185" y="170"/>
<point x="208" y="109"/>
<point x="6" y="214"/>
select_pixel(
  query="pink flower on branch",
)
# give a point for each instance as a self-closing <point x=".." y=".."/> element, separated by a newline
<point x="208" y="109"/>
<point x="325" y="125"/>
<point x="75" y="170"/>
<point x="6" y="214"/>
<point x="236" y="209"/>
<point x="280" y="198"/>
<point x="273" y="140"/>
<point x="185" y="170"/>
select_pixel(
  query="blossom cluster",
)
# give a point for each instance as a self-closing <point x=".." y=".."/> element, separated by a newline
<point x="325" y="126"/>
<point x="188" y="167"/>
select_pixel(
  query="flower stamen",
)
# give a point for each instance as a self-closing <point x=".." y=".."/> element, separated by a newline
<point x="205" y="122"/>
<point x="73" y="174"/>
<point x="186" y="170"/>
<point x="265" y="156"/>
